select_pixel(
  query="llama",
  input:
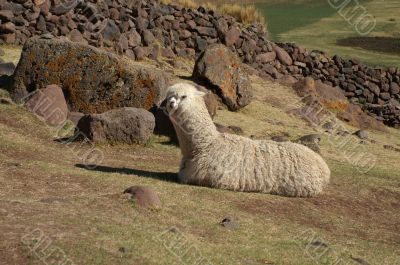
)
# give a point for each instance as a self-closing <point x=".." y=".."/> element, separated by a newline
<point x="236" y="163"/>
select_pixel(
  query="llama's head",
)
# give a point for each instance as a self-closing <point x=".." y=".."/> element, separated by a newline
<point x="181" y="96"/>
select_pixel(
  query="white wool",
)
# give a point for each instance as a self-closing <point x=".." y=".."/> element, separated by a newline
<point x="237" y="163"/>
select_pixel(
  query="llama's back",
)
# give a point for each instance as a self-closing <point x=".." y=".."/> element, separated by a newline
<point x="297" y="170"/>
<point x="241" y="164"/>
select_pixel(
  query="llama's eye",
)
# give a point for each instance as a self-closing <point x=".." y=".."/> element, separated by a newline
<point x="183" y="97"/>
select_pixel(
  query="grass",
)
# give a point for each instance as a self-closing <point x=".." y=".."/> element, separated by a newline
<point x="244" y="13"/>
<point x="324" y="33"/>
<point x="86" y="215"/>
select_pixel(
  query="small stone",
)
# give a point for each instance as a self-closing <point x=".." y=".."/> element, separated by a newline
<point x="311" y="141"/>
<point x="232" y="36"/>
<point x="145" y="197"/>
<point x="7" y="69"/>
<point x="229" y="223"/>
<point x="148" y="37"/>
<point x="361" y="134"/>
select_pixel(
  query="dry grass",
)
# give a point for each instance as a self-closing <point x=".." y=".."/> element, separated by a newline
<point x="87" y="217"/>
<point x="244" y="13"/>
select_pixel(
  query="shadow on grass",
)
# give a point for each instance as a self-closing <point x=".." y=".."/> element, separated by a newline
<point x="167" y="176"/>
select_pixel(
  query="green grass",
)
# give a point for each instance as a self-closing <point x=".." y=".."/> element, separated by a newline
<point x="324" y="33"/>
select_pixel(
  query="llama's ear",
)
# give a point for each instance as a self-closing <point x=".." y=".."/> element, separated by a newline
<point x="202" y="91"/>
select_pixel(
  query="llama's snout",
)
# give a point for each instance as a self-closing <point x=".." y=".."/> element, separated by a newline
<point x="172" y="104"/>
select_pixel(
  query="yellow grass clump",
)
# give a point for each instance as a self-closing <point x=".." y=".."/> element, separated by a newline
<point x="246" y="14"/>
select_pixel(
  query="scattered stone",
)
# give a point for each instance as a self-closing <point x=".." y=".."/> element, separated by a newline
<point x="7" y="69"/>
<point x="318" y="243"/>
<point x="391" y="147"/>
<point x="359" y="260"/>
<point x="229" y="223"/>
<point x="49" y="104"/>
<point x="329" y="126"/>
<point x="124" y="125"/>
<point x="311" y="141"/>
<point x="220" y="70"/>
<point x="145" y="197"/>
<point x="279" y="138"/>
<point x="361" y="134"/>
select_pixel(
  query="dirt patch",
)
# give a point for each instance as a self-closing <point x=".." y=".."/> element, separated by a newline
<point x="378" y="44"/>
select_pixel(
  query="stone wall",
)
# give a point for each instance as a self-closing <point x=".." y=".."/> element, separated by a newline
<point x="142" y="29"/>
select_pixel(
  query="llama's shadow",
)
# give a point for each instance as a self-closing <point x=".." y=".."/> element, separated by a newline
<point x="166" y="176"/>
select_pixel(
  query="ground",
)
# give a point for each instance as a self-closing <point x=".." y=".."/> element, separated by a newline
<point x="47" y="194"/>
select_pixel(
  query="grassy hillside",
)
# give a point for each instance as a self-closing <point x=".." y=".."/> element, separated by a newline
<point x="46" y="194"/>
<point x="316" y="25"/>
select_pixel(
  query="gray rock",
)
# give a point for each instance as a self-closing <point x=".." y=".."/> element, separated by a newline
<point x="229" y="223"/>
<point x="64" y="7"/>
<point x="145" y="197"/>
<point x="92" y="80"/>
<point x="361" y="134"/>
<point x="7" y="69"/>
<point x="311" y="141"/>
<point x="148" y="37"/>
<point x="124" y="125"/>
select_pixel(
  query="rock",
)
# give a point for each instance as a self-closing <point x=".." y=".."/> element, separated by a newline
<point x="384" y="96"/>
<point x="125" y="125"/>
<point x="93" y="81"/>
<point x="139" y="53"/>
<point x="76" y="36"/>
<point x="279" y="138"/>
<point x="329" y="126"/>
<point x="75" y="117"/>
<point x="145" y="197"/>
<point x="311" y="141"/>
<point x="282" y="55"/>
<point x="7" y="69"/>
<point x="266" y="57"/>
<point x="229" y="223"/>
<point x="6" y="101"/>
<point x="219" y="69"/>
<point x="394" y="89"/>
<point x="64" y="7"/>
<point x="49" y="104"/>
<point x="2" y="53"/>
<point x="232" y="36"/>
<point x="7" y="27"/>
<point x="148" y="37"/>
<point x="206" y="31"/>
<point x="6" y="15"/>
<point x="228" y="129"/>
<point x="361" y="134"/>
<point x="111" y="31"/>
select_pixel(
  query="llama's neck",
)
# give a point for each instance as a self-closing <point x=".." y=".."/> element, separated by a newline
<point x="195" y="130"/>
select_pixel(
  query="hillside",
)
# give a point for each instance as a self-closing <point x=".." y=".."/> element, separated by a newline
<point x="60" y="205"/>
<point x="83" y="212"/>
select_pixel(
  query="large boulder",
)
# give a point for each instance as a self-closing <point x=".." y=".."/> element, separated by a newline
<point x="220" y="69"/>
<point x="124" y="125"/>
<point x="49" y="104"/>
<point x="93" y="81"/>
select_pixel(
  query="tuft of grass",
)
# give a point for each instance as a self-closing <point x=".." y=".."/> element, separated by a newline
<point x="243" y="13"/>
<point x="246" y="14"/>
